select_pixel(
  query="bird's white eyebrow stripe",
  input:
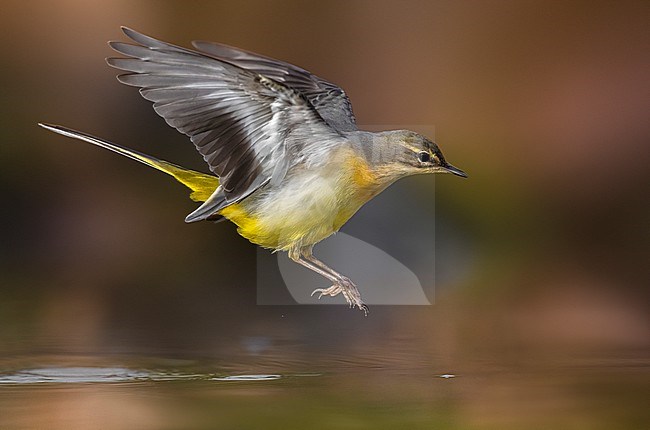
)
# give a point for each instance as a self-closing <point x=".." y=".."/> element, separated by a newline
<point x="413" y="148"/>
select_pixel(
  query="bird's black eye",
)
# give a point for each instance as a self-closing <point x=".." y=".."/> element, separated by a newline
<point x="424" y="156"/>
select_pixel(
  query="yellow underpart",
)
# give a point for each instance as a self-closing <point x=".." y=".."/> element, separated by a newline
<point x="272" y="234"/>
<point x="248" y="226"/>
<point x="354" y="184"/>
<point x="201" y="184"/>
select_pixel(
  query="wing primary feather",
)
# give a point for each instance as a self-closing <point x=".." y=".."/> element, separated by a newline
<point x="240" y="121"/>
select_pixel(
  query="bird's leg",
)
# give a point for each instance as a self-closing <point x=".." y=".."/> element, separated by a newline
<point x="298" y="258"/>
<point x="341" y="284"/>
<point x="340" y="281"/>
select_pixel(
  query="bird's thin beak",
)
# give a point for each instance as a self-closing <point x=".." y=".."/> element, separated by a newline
<point x="455" y="170"/>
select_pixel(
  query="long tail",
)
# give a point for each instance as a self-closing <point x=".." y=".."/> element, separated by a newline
<point x="202" y="185"/>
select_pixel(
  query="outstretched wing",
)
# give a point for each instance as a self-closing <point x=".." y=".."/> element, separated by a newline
<point x="237" y="119"/>
<point x="330" y="101"/>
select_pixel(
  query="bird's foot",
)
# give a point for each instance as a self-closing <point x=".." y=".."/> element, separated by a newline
<point x="349" y="291"/>
<point x="333" y="291"/>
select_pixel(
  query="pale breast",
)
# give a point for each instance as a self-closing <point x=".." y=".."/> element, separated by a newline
<point x="308" y="206"/>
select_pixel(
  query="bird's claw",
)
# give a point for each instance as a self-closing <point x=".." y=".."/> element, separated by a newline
<point x="349" y="291"/>
<point x="334" y="290"/>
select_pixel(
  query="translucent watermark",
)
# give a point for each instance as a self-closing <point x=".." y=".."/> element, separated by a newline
<point x="387" y="248"/>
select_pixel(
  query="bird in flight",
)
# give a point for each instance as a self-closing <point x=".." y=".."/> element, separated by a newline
<point x="289" y="165"/>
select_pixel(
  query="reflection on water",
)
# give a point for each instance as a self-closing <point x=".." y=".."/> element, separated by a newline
<point x="247" y="378"/>
<point x="385" y="392"/>
<point x="99" y="375"/>
<point x="204" y="364"/>
<point x="59" y="375"/>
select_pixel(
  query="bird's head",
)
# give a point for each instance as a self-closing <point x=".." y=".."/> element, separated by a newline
<point x="404" y="153"/>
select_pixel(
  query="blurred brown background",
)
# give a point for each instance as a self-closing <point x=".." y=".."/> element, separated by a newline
<point x="544" y="103"/>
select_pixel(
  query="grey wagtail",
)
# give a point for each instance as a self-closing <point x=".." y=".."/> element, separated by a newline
<point x="289" y="164"/>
